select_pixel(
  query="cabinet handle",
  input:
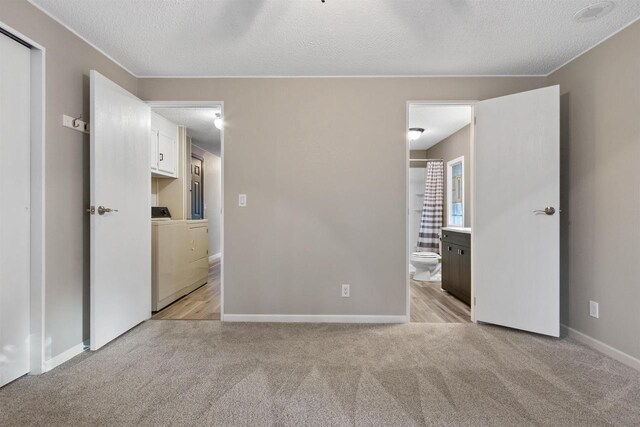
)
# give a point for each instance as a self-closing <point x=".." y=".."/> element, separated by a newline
<point x="460" y="252"/>
<point x="449" y="247"/>
<point x="161" y="157"/>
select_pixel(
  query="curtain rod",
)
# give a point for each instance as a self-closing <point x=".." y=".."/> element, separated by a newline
<point x="426" y="160"/>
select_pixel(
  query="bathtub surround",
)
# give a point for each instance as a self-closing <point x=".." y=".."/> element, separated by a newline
<point x="431" y="221"/>
<point x="452" y="147"/>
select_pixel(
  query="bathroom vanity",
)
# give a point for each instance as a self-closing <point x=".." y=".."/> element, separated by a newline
<point x="456" y="262"/>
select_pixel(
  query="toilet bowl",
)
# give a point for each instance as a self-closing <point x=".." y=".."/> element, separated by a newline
<point x="427" y="266"/>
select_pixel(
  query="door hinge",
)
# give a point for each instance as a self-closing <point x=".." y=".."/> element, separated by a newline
<point x="475" y="120"/>
<point x="91" y="210"/>
<point x="474" y="300"/>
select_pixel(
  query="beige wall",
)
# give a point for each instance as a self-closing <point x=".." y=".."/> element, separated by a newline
<point x="600" y="222"/>
<point x="324" y="171"/>
<point x="452" y="147"/>
<point x="68" y="61"/>
<point x="212" y="196"/>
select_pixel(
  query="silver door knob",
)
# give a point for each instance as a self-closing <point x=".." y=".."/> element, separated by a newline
<point x="102" y="210"/>
<point x="549" y="210"/>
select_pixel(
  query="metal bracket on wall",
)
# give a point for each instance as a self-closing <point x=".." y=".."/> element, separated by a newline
<point x="75" y="123"/>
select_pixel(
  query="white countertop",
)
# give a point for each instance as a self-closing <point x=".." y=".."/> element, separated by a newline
<point x="458" y="229"/>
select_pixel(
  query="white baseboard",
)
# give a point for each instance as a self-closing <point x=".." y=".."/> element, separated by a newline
<point x="66" y="356"/>
<point x="215" y="257"/>
<point x="612" y="352"/>
<point x="313" y="318"/>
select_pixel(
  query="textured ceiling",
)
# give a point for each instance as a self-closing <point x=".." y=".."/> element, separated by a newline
<point x="199" y="124"/>
<point x="438" y="122"/>
<point x="339" y="37"/>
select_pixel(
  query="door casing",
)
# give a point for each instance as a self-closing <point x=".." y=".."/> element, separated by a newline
<point x="205" y="104"/>
<point x="469" y="164"/>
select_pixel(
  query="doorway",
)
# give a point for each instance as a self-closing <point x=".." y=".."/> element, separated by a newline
<point x="439" y="277"/>
<point x="505" y="262"/>
<point x="193" y="197"/>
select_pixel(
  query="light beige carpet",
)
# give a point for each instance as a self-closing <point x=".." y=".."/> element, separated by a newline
<point x="208" y="373"/>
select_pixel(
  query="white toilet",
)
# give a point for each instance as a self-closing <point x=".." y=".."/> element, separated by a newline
<point x="427" y="266"/>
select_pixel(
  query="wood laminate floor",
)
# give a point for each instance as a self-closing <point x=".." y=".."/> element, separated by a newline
<point x="201" y="304"/>
<point x="430" y="304"/>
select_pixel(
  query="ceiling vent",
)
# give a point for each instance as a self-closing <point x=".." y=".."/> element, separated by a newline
<point x="593" y="12"/>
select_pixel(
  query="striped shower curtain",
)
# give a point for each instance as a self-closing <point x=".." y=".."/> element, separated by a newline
<point x="431" y="222"/>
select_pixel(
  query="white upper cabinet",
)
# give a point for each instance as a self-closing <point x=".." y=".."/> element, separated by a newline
<point x="163" y="141"/>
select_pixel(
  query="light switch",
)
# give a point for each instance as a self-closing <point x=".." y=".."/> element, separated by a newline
<point x="242" y="200"/>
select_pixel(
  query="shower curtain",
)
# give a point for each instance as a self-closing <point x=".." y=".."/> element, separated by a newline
<point x="431" y="222"/>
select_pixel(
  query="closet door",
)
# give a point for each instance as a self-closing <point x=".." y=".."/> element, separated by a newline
<point x="15" y="71"/>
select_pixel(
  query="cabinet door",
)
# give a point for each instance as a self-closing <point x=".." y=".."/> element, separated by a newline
<point x="465" y="275"/>
<point x="153" y="147"/>
<point x="447" y="253"/>
<point x="167" y="161"/>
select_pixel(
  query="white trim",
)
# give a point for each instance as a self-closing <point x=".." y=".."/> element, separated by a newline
<point x="215" y="257"/>
<point x="592" y="47"/>
<point x="410" y="103"/>
<point x="313" y="318"/>
<point x="75" y="33"/>
<point x="66" y="356"/>
<point x="606" y="349"/>
<point x="450" y="165"/>
<point x="352" y="76"/>
<point x="37" y="346"/>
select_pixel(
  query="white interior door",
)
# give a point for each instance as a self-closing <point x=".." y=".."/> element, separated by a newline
<point x="515" y="243"/>
<point x="15" y="71"/>
<point x="121" y="238"/>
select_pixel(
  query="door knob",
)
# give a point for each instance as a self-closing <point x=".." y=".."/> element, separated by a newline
<point x="549" y="210"/>
<point x="102" y="210"/>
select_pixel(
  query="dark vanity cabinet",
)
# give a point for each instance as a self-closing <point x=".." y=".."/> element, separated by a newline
<point x="456" y="264"/>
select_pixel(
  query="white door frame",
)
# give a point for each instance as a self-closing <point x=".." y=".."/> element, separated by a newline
<point x="204" y="104"/>
<point x="407" y="166"/>
<point x="38" y="351"/>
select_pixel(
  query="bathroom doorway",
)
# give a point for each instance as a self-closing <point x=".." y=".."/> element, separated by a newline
<point x="439" y="204"/>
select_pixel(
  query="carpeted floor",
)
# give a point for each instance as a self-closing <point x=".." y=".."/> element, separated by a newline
<point x="209" y="373"/>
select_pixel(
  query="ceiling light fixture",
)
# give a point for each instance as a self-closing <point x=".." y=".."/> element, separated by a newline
<point x="414" y="133"/>
<point x="217" y="122"/>
<point x="593" y="12"/>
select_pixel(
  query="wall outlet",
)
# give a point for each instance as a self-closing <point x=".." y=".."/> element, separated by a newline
<point x="242" y="200"/>
<point x="345" y="291"/>
<point x="594" y="309"/>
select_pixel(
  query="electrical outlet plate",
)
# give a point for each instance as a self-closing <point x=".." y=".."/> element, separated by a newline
<point x="242" y="200"/>
<point x="594" y="309"/>
<point x="345" y="291"/>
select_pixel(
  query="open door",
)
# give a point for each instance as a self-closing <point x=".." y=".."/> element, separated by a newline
<point x="120" y="211"/>
<point x="516" y="225"/>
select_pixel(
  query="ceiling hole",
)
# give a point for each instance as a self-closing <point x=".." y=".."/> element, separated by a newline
<point x="593" y="12"/>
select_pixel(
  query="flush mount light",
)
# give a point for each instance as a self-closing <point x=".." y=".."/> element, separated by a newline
<point x="217" y="122"/>
<point x="593" y="12"/>
<point x="414" y="133"/>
